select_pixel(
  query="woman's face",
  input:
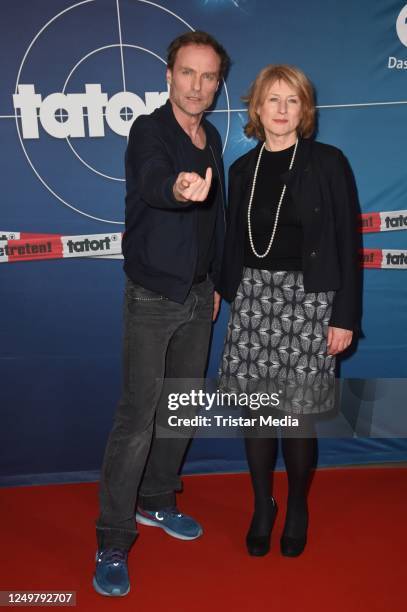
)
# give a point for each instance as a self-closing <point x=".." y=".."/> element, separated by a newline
<point x="281" y="111"/>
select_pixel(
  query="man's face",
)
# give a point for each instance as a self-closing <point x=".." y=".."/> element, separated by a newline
<point x="194" y="78"/>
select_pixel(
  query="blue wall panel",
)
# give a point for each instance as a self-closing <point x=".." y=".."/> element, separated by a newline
<point x="61" y="319"/>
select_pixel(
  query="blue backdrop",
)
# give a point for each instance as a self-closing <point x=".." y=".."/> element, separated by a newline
<point x="81" y="71"/>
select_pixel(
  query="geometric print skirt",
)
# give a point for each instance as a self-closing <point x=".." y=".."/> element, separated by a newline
<point x="276" y="341"/>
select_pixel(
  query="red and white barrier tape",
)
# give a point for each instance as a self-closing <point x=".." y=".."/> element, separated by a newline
<point x="19" y="246"/>
<point x="384" y="258"/>
<point x="383" y="221"/>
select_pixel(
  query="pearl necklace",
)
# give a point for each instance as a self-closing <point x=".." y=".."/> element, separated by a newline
<point x="249" y="225"/>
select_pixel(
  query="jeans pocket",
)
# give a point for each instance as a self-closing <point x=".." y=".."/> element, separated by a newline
<point x="138" y="293"/>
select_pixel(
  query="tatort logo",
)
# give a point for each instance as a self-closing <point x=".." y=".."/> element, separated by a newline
<point x="396" y="222"/>
<point x="401" y="29"/>
<point x="63" y="115"/>
<point x="396" y="259"/>
<point x="86" y="245"/>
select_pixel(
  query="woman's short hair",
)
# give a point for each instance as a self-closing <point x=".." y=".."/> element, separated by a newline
<point x="295" y="78"/>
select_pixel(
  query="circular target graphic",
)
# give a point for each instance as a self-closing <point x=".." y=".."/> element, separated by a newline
<point x="73" y="114"/>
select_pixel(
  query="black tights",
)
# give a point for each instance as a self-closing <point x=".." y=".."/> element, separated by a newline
<point x="299" y="458"/>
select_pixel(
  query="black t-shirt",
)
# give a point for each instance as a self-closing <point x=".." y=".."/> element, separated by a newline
<point x="285" y="253"/>
<point x="201" y="159"/>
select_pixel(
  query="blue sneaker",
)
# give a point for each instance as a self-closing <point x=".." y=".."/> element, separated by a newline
<point x="172" y="521"/>
<point x="111" y="577"/>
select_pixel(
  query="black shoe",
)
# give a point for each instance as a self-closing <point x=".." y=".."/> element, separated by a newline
<point x="292" y="547"/>
<point x="257" y="544"/>
<point x="294" y="537"/>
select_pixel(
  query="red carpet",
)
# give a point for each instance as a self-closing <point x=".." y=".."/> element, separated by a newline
<point x="355" y="559"/>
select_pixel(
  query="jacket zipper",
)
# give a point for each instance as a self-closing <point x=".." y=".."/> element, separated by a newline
<point x="221" y="186"/>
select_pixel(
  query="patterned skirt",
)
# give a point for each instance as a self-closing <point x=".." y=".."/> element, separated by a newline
<point x="277" y="341"/>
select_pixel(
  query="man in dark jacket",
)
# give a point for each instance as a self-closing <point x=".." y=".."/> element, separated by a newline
<point x="172" y="251"/>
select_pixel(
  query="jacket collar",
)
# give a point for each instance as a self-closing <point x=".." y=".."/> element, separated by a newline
<point x="166" y="114"/>
<point x="246" y="165"/>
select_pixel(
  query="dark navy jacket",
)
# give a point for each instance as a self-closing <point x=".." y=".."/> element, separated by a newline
<point x="322" y="186"/>
<point x="160" y="244"/>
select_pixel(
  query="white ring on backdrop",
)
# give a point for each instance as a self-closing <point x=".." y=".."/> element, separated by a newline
<point x="83" y="2"/>
<point x="112" y="178"/>
<point x="119" y="23"/>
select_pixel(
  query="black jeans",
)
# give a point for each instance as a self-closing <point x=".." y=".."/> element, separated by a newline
<point x="162" y="339"/>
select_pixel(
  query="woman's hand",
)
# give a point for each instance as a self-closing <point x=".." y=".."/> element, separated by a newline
<point x="338" y="339"/>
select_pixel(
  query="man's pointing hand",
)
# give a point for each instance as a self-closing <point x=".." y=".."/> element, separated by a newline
<point x="191" y="187"/>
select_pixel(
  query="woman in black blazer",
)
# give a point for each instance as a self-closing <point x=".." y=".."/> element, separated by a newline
<point x="290" y="269"/>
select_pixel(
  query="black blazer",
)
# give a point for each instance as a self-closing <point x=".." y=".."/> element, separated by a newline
<point x="160" y="244"/>
<point x="322" y="186"/>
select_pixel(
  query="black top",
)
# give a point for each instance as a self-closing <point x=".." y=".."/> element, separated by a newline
<point x="322" y="186"/>
<point x="201" y="159"/>
<point x="286" y="250"/>
<point x="160" y="243"/>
